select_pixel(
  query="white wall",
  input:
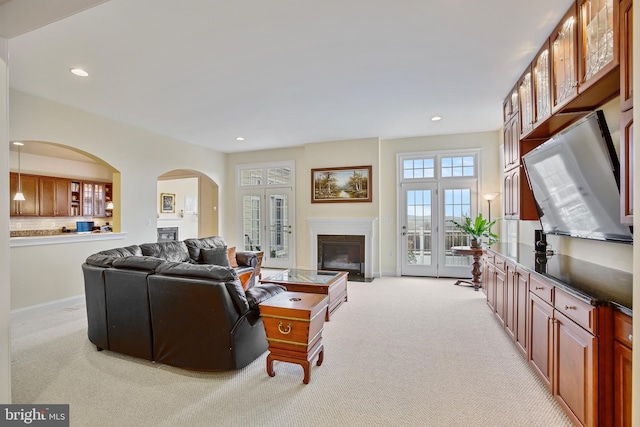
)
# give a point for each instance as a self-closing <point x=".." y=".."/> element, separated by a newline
<point x="140" y="157"/>
<point x="5" y="267"/>
<point x="358" y="152"/>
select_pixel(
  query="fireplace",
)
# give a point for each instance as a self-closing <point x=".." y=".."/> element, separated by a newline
<point x="166" y="234"/>
<point x="347" y="227"/>
<point x="342" y="253"/>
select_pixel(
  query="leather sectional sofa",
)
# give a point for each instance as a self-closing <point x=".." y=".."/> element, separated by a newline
<point x="160" y="302"/>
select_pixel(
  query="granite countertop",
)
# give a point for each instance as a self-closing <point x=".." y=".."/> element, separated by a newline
<point x="592" y="283"/>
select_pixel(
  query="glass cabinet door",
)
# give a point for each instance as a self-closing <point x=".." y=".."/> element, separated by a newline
<point x="526" y="104"/>
<point x="87" y="199"/>
<point x="598" y="47"/>
<point x="541" y="83"/>
<point x="563" y="57"/>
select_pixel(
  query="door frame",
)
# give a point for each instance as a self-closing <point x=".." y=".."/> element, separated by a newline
<point x="475" y="195"/>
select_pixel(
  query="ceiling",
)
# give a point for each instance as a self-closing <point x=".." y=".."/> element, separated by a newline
<point x="283" y="73"/>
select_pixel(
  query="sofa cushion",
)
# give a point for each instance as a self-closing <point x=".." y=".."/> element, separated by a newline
<point x="169" y="251"/>
<point x="196" y="245"/>
<point x="216" y="256"/>
<point x="133" y="250"/>
<point x="261" y="293"/>
<point x="231" y="254"/>
<point x="100" y="260"/>
<point x="201" y="271"/>
<point x="141" y="263"/>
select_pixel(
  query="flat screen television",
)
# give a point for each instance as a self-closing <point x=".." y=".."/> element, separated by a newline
<point x="575" y="179"/>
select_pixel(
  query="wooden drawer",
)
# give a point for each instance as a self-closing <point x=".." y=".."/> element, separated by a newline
<point x="293" y="320"/>
<point x="583" y="314"/>
<point x="500" y="263"/>
<point x="623" y="328"/>
<point x="489" y="257"/>
<point x="541" y="288"/>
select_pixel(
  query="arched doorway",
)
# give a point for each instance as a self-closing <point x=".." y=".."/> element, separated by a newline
<point x="196" y="201"/>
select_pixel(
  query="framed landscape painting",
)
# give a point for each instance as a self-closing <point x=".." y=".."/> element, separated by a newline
<point x="344" y="184"/>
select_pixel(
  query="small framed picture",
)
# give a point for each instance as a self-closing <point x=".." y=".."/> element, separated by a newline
<point x="346" y="184"/>
<point x="167" y="203"/>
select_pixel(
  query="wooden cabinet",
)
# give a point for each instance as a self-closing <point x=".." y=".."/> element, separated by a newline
<point x="598" y="40"/>
<point x="521" y="301"/>
<point x="564" y="66"/>
<point x="75" y="198"/>
<point x="29" y="206"/>
<point x="511" y="143"/>
<point x="622" y="364"/>
<point x="518" y="199"/>
<point x="510" y="304"/>
<point x="626" y="117"/>
<point x="575" y="348"/>
<point x="54" y="194"/>
<point x="626" y="55"/>
<point x="525" y="93"/>
<point x="540" y="337"/>
<point x="541" y="72"/>
<point x="93" y="199"/>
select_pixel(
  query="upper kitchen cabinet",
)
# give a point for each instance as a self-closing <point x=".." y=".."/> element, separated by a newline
<point x="29" y="184"/>
<point x="564" y="65"/>
<point x="599" y="42"/>
<point x="541" y="70"/>
<point x="626" y="55"/>
<point x="510" y="105"/>
<point x="93" y="199"/>
<point x="54" y="196"/>
<point x="525" y="93"/>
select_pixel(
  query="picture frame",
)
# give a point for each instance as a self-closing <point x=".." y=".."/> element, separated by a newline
<point x="167" y="203"/>
<point x="341" y="184"/>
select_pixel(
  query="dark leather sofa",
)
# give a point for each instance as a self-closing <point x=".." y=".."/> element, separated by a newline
<point x="160" y="302"/>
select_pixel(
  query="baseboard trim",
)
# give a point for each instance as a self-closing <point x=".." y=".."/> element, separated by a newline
<point x="26" y="313"/>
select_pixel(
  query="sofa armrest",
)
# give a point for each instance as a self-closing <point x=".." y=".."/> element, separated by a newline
<point x="261" y="293"/>
<point x="247" y="259"/>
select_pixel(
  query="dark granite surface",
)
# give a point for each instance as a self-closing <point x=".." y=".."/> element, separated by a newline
<point x="592" y="283"/>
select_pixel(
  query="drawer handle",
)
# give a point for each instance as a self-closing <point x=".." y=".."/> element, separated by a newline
<point x="569" y="307"/>
<point x="539" y="288"/>
<point x="630" y="337"/>
<point x="285" y="331"/>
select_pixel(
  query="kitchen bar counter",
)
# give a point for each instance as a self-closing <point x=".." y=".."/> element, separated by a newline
<point x="55" y="239"/>
<point x="595" y="284"/>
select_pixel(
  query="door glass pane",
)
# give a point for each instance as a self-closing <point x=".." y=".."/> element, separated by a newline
<point x="87" y="199"/>
<point x="419" y="224"/>
<point x="279" y="227"/>
<point x="251" y="223"/>
<point x="457" y="206"/>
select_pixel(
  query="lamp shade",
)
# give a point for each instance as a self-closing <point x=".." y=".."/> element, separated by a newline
<point x="19" y="196"/>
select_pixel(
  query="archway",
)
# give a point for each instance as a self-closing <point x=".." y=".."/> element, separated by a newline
<point x="196" y="200"/>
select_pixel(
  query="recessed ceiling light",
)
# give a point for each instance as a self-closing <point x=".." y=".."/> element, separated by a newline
<point x="79" y="72"/>
<point x="239" y="138"/>
<point x="18" y="143"/>
<point x="436" y="118"/>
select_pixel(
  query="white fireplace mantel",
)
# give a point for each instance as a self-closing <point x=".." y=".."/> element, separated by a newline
<point x="349" y="227"/>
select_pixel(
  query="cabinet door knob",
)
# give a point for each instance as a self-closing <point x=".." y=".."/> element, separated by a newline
<point x="569" y="307"/>
<point x="630" y="337"/>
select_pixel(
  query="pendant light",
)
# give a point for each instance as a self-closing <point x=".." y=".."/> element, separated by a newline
<point x="19" y="196"/>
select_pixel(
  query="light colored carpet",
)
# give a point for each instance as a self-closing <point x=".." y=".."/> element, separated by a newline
<point x="400" y="352"/>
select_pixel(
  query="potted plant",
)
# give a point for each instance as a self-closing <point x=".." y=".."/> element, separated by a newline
<point x="477" y="229"/>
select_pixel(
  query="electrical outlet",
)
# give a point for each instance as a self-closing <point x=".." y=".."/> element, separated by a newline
<point x="148" y="222"/>
<point x="53" y="225"/>
<point x="18" y="225"/>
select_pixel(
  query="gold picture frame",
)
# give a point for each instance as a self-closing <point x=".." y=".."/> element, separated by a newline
<point x="343" y="184"/>
<point x="167" y="203"/>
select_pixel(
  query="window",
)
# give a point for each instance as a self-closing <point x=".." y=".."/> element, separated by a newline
<point x="419" y="168"/>
<point x="458" y="166"/>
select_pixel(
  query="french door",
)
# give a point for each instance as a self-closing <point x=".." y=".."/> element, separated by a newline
<point x="267" y="217"/>
<point x="435" y="189"/>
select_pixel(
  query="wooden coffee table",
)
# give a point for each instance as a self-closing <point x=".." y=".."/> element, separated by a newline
<point x="330" y="283"/>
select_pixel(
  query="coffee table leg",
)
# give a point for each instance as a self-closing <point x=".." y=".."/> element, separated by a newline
<point x="270" y="370"/>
